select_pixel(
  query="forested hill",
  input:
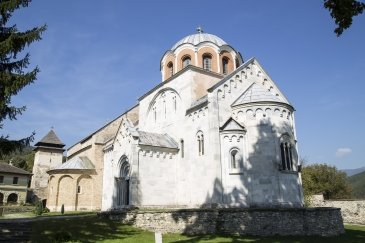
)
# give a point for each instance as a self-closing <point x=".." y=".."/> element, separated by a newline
<point x="358" y="185"/>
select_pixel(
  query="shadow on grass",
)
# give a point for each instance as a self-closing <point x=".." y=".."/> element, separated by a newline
<point x="86" y="229"/>
<point x="354" y="234"/>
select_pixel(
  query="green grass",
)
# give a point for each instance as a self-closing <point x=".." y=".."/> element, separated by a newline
<point x="86" y="229"/>
<point x="32" y="215"/>
<point x="90" y="228"/>
<point x="354" y="234"/>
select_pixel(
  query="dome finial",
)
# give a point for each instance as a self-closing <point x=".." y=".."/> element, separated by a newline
<point x="199" y="29"/>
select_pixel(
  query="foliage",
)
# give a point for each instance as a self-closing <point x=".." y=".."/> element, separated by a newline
<point x="327" y="180"/>
<point x="342" y="11"/>
<point x="38" y="208"/>
<point x="63" y="209"/>
<point x="23" y="159"/>
<point x="358" y="185"/>
<point x="13" y="78"/>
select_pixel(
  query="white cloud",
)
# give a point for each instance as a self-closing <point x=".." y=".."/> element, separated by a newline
<point x="343" y="152"/>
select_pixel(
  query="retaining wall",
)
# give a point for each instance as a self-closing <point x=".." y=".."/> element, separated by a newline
<point x="264" y="222"/>
<point x="353" y="211"/>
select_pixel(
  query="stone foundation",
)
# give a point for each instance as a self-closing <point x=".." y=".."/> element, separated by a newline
<point x="263" y="222"/>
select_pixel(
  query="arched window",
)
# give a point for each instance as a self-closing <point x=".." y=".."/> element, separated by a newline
<point x="235" y="160"/>
<point x="186" y="61"/>
<point x="286" y="152"/>
<point x="170" y="67"/>
<point x="225" y="61"/>
<point x="237" y="63"/>
<point x="200" y="139"/>
<point x="234" y="153"/>
<point x="207" y="62"/>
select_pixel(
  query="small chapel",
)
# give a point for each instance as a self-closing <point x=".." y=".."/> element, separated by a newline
<point x="216" y="132"/>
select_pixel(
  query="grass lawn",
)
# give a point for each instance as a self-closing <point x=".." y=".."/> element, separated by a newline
<point x="93" y="229"/>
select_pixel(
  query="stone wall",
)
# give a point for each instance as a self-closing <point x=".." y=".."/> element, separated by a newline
<point x="353" y="211"/>
<point x="298" y="221"/>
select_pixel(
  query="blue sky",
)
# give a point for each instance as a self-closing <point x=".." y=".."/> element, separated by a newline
<point x="98" y="57"/>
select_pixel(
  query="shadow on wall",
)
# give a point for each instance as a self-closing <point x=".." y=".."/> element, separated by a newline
<point x="263" y="184"/>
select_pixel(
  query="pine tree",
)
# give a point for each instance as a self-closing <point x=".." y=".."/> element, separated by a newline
<point x="13" y="78"/>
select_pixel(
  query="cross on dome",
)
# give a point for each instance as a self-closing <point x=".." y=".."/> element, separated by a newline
<point x="199" y="29"/>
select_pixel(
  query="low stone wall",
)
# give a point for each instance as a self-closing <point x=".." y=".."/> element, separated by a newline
<point x="353" y="211"/>
<point x="16" y="209"/>
<point x="265" y="222"/>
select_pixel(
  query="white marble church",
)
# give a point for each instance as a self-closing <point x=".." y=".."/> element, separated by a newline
<point x="216" y="132"/>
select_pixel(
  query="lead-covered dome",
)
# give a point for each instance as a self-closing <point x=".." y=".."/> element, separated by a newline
<point x="198" y="38"/>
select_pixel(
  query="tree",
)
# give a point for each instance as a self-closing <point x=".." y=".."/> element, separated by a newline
<point x="342" y="11"/>
<point x="23" y="159"/>
<point x="326" y="180"/>
<point x="13" y="78"/>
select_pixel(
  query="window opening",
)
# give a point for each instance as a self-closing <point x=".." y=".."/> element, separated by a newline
<point x="225" y="65"/>
<point x="207" y="62"/>
<point x="15" y="180"/>
<point x="170" y="67"/>
<point x="186" y="61"/>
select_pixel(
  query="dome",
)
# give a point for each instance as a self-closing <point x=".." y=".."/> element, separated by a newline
<point x="198" y="38"/>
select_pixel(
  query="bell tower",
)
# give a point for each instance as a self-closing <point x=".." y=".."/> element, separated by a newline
<point x="49" y="152"/>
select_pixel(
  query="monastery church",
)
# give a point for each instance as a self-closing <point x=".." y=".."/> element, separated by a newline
<point x="216" y="132"/>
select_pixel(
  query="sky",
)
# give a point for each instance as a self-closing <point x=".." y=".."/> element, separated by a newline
<point x="98" y="57"/>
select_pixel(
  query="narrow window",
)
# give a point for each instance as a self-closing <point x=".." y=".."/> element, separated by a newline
<point x="15" y="180"/>
<point x="291" y="157"/>
<point x="174" y="98"/>
<point x="287" y="158"/>
<point x="186" y="61"/>
<point x="234" y="159"/>
<point x="200" y="139"/>
<point x="225" y="65"/>
<point x="1" y="179"/>
<point x="202" y="144"/>
<point x="170" y="67"/>
<point x="207" y="62"/>
<point x="282" y="150"/>
<point x="182" y="148"/>
<point x="164" y="107"/>
<point x="78" y="189"/>
<point x="237" y="63"/>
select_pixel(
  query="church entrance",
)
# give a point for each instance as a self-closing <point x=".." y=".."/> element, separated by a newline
<point x="123" y="184"/>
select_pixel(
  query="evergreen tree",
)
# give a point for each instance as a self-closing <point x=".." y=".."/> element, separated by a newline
<point x="13" y="78"/>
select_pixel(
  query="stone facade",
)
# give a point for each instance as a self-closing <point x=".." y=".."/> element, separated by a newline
<point x="233" y="139"/>
<point x="353" y="211"/>
<point x="264" y="222"/>
<point x="13" y="184"/>
<point x="49" y="154"/>
<point x="80" y="188"/>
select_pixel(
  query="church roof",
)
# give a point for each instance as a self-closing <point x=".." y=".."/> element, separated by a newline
<point x="6" y="168"/>
<point x="196" y="39"/>
<point x="76" y="163"/>
<point x="257" y="93"/>
<point x="50" y="139"/>
<point x="156" y="140"/>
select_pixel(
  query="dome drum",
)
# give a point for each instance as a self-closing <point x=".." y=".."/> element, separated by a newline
<point x="203" y="50"/>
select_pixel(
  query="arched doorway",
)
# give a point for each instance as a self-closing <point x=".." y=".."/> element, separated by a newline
<point x="1" y="198"/>
<point x="12" y="198"/>
<point x="122" y="181"/>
